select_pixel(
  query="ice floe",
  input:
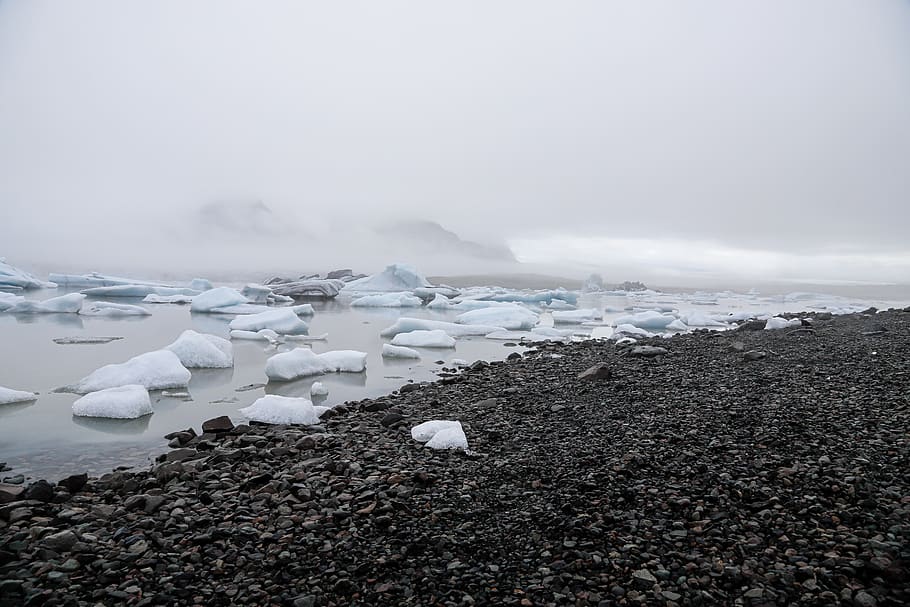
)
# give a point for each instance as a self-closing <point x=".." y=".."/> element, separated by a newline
<point x="407" y="324"/>
<point x="8" y="395"/>
<point x="137" y="291"/>
<point x="203" y="351"/>
<point x="436" y="338"/>
<point x="390" y="351"/>
<point x="121" y="402"/>
<point x="107" y="308"/>
<point x="12" y="277"/>
<point x="274" y="409"/>
<point x="645" y="320"/>
<point x="388" y="300"/>
<point x="395" y="278"/>
<point x="219" y="297"/>
<point x="156" y="370"/>
<point x="64" y="304"/>
<point x="537" y="297"/>
<point x="303" y="362"/>
<point x="94" y="279"/>
<point x="576" y="316"/>
<point x="511" y="317"/>
<point x="284" y="321"/>
<point x="168" y="299"/>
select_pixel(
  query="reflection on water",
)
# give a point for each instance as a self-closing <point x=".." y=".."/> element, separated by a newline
<point x="216" y="324"/>
<point x="114" y="426"/>
<point x="13" y="408"/>
<point x="203" y="379"/>
<point x="301" y="387"/>
<point x="70" y="321"/>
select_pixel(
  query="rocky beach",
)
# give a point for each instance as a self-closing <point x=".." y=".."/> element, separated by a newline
<point x="745" y="467"/>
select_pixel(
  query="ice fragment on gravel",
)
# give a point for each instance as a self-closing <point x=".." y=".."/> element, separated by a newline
<point x="274" y="409"/>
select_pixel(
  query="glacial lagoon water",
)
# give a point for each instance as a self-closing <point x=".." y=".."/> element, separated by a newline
<point x="42" y="439"/>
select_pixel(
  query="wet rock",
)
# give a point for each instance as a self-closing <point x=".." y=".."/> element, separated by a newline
<point x="41" y="491"/>
<point x="74" y="483"/>
<point x="647" y="351"/>
<point x="600" y="371"/>
<point x="222" y="423"/>
<point x="10" y="493"/>
<point x="391" y="419"/>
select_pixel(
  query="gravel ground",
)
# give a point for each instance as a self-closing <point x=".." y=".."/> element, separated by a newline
<point x="737" y="468"/>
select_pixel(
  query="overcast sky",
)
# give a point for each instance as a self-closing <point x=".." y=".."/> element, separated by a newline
<point x="770" y="138"/>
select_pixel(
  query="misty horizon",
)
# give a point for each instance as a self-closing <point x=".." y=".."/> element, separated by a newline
<point x="677" y="144"/>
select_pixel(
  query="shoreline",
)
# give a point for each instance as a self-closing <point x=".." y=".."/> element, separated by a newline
<point x="696" y="477"/>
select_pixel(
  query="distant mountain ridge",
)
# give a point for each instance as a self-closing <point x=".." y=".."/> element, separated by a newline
<point x="429" y="237"/>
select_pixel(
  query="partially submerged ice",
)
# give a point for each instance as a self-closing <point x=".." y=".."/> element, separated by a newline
<point x="303" y="362"/>
<point x="577" y="316"/>
<point x="395" y="278"/>
<point x="283" y="321"/>
<point x="220" y="297"/>
<point x="15" y="278"/>
<point x="94" y="279"/>
<point x="203" y="351"/>
<point x="649" y="319"/>
<point x="388" y="300"/>
<point x="407" y="324"/>
<point x="510" y="317"/>
<point x="8" y="395"/>
<point x="777" y="322"/>
<point x="64" y="304"/>
<point x="436" y="338"/>
<point x="390" y="351"/>
<point x="107" y="308"/>
<point x="156" y="370"/>
<point x="274" y="409"/>
<point x="137" y="291"/>
<point x="441" y="434"/>
<point x="122" y="402"/>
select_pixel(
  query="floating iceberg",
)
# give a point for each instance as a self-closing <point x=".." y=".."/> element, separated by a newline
<point x="65" y="304"/>
<point x="156" y="370"/>
<point x="440" y="302"/>
<point x="8" y="395"/>
<point x="677" y="325"/>
<point x="507" y="317"/>
<point x="123" y="402"/>
<point x="395" y="278"/>
<point x="535" y="334"/>
<point x="262" y="335"/>
<point x="280" y="320"/>
<point x="627" y="330"/>
<point x="577" y="316"/>
<point x="136" y="291"/>
<point x="318" y="389"/>
<point x="406" y="324"/>
<point x="535" y="296"/>
<point x="168" y="299"/>
<point x="646" y="320"/>
<point x="388" y="300"/>
<point x="310" y="287"/>
<point x="274" y="409"/>
<point x="441" y="434"/>
<point x="303" y="362"/>
<point x="12" y="277"/>
<point x="106" y="308"/>
<point x="260" y="294"/>
<point x="202" y="351"/>
<point x="424" y="339"/>
<point x="428" y="293"/>
<point x="8" y="300"/>
<point x="220" y="297"/>
<point x="94" y="279"/>
<point x="390" y="351"/>
<point x="557" y="304"/>
<point x="782" y="323"/>
<point x="201" y="284"/>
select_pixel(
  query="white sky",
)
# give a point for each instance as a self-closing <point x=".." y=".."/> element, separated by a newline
<point x="716" y="136"/>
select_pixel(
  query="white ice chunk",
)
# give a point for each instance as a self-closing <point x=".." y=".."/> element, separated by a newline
<point x="700" y="319"/>
<point x="281" y="320"/>
<point x="535" y="296"/>
<point x="406" y="324"/>
<point x="626" y="329"/>
<point x="136" y="291"/>
<point x="303" y="362"/>
<point x="425" y="431"/>
<point x="8" y="300"/>
<point x="436" y="338"/>
<point x="318" y="389"/>
<point x="217" y="298"/>
<point x="577" y="316"/>
<point x="396" y="278"/>
<point x="107" y="308"/>
<point x="12" y="277"/>
<point x="388" y="300"/>
<point x="677" y="325"/>
<point x="168" y="299"/>
<point x="440" y="302"/>
<point x="557" y="304"/>
<point x="201" y="350"/>
<point x="8" y="395"/>
<point x="122" y="402"/>
<point x="274" y="409"/>
<point x="65" y="304"/>
<point x="458" y="362"/>
<point x="782" y="323"/>
<point x="449" y="438"/>
<point x="156" y="370"/>
<point x="390" y="351"/>
<point x="95" y="279"/>
<point x="262" y="335"/>
<point x="201" y="284"/>
<point x="466" y="305"/>
<point x="441" y="434"/>
<point x="646" y="320"/>
<point x="507" y="317"/>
